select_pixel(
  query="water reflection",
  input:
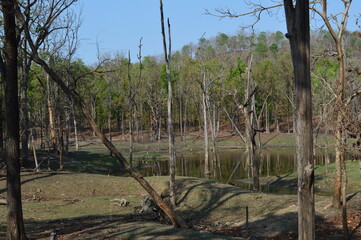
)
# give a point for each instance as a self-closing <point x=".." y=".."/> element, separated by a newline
<point x="231" y="167"/>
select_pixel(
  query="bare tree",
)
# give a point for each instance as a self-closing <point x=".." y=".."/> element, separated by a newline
<point x="9" y="72"/>
<point x="337" y="36"/>
<point x="205" y="107"/>
<point x="78" y="101"/>
<point x="250" y="131"/>
<point x="172" y="151"/>
<point x="298" y="27"/>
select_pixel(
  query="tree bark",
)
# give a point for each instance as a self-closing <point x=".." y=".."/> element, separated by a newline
<point x="172" y="151"/>
<point x="340" y="92"/>
<point x="15" y="223"/>
<point x="249" y="129"/>
<point x="131" y="114"/>
<point x="1" y="118"/>
<point x="205" y="124"/>
<point x="51" y="113"/>
<point x="298" y="27"/>
<point x="75" y="127"/>
<point x="60" y="141"/>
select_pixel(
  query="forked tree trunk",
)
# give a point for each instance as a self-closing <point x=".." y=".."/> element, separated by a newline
<point x="340" y="179"/>
<point x="9" y="72"/>
<point x="249" y="129"/>
<point x="298" y="27"/>
<point x="172" y="152"/>
<point x="337" y="36"/>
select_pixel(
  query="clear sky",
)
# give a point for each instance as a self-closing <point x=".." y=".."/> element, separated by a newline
<point x="117" y="25"/>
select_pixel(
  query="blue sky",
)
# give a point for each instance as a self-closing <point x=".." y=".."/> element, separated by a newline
<point x="117" y="25"/>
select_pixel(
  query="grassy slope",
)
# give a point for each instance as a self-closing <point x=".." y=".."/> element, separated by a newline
<point x="77" y="203"/>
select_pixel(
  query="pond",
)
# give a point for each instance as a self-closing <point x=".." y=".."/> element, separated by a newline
<point x="232" y="166"/>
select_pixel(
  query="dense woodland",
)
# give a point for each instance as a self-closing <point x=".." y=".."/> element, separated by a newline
<point x="124" y="93"/>
<point x="243" y="83"/>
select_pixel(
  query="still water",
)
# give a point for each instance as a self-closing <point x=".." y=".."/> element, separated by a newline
<point x="233" y="167"/>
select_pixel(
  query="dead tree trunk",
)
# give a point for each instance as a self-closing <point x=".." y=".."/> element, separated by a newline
<point x="9" y="72"/>
<point x="131" y="113"/>
<point x="72" y="94"/>
<point x="75" y="127"/>
<point x="298" y="27"/>
<point x="250" y="131"/>
<point x="51" y="113"/>
<point x="205" y="123"/>
<point x="60" y="140"/>
<point x="172" y="152"/>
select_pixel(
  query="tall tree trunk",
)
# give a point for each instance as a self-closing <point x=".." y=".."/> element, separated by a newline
<point x="15" y="223"/>
<point x="205" y="125"/>
<point x="344" y="201"/>
<point x="277" y="126"/>
<point x="267" y="119"/>
<point x="298" y="27"/>
<point x="250" y="131"/>
<point x="181" y="117"/>
<point x="172" y="151"/>
<point x="212" y="125"/>
<point x="1" y="118"/>
<point x="131" y="114"/>
<point x="131" y="135"/>
<point x="75" y="127"/>
<point x="339" y="134"/>
<point x="51" y="113"/>
<point x="60" y="141"/>
<point x="67" y="132"/>
<point x="24" y="105"/>
<point x="337" y="36"/>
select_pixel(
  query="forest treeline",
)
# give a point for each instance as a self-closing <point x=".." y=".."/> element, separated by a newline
<point x="244" y="82"/>
<point x="214" y="74"/>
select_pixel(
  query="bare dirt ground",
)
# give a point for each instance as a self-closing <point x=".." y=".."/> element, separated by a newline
<point x="79" y="206"/>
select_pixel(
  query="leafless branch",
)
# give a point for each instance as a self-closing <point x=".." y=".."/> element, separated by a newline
<point x="234" y="125"/>
<point x="256" y="13"/>
<point x="355" y="94"/>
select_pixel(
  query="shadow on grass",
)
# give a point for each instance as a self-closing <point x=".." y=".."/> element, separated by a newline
<point x="33" y="176"/>
<point x="288" y="185"/>
<point x="214" y="198"/>
<point x="284" y="226"/>
<point x="109" y="227"/>
<point x="281" y="226"/>
<point x="89" y="162"/>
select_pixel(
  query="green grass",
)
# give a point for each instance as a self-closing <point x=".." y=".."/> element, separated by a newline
<point x="324" y="178"/>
